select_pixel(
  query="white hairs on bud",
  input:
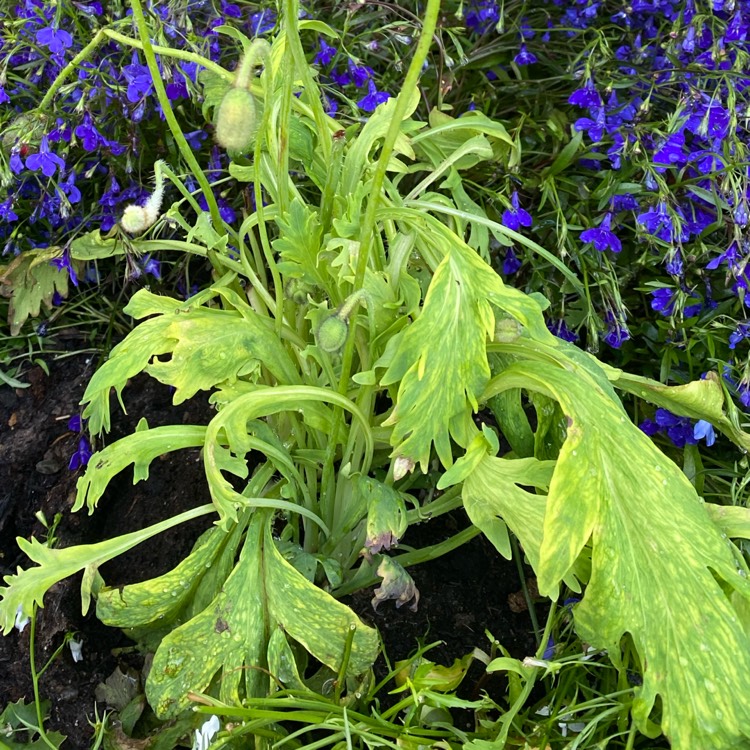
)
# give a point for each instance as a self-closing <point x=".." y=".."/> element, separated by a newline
<point x="137" y="219"/>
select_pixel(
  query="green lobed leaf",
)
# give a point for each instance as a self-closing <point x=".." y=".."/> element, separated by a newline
<point x="139" y="449"/>
<point x="30" y="280"/>
<point x="209" y="347"/>
<point x="263" y="592"/>
<point x="660" y="568"/>
<point x="27" y="588"/>
<point x="441" y="359"/>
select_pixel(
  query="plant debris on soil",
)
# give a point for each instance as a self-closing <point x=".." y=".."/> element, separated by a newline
<point x="463" y="594"/>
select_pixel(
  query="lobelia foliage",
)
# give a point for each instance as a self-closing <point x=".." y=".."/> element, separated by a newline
<point x="370" y="226"/>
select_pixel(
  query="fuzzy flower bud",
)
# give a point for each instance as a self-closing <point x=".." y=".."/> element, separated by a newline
<point x="137" y="219"/>
<point x="332" y="332"/>
<point x="235" y="121"/>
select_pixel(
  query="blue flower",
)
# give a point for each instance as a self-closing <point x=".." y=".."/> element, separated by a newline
<point x="45" y="161"/>
<point x="516" y="217"/>
<point x="704" y="429"/>
<point x="740" y="333"/>
<point x="617" y="332"/>
<point x="139" y="82"/>
<point x="602" y="236"/>
<point x="586" y="97"/>
<point x="560" y="329"/>
<point x="370" y="102"/>
<point x="57" y="40"/>
<point x="63" y="262"/>
<point x="524" y="57"/>
<point x="326" y="54"/>
<point x="512" y="263"/>
<point x="549" y="651"/>
<point x="663" y="301"/>
<point x="82" y="455"/>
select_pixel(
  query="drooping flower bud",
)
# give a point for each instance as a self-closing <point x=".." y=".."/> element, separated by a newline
<point x="235" y="121"/>
<point x="137" y="219"/>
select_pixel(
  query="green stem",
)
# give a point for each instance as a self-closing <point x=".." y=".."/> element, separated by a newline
<point x="376" y="189"/>
<point x="99" y="37"/>
<point x="174" y="126"/>
<point x="83" y="55"/>
<point x="35" y="682"/>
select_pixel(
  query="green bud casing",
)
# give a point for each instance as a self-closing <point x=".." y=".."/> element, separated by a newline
<point x="235" y="121"/>
<point x="331" y="334"/>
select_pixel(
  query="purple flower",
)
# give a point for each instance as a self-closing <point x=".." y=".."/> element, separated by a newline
<point x="57" y="40"/>
<point x="360" y="74"/>
<point x="63" y="262"/>
<point x="678" y="429"/>
<point x="45" y="161"/>
<point x="370" y="102"/>
<point x="75" y="423"/>
<point x="139" y="81"/>
<point x="152" y="266"/>
<point x="262" y="22"/>
<point x="326" y="54"/>
<point x="6" y="211"/>
<point x="81" y="457"/>
<point x="602" y="236"/>
<point x="593" y="127"/>
<point x="511" y="264"/>
<point x="524" y="57"/>
<point x="740" y="333"/>
<point x="731" y="256"/>
<point x="549" y="651"/>
<point x="674" y="264"/>
<point x="663" y="301"/>
<point x="671" y="153"/>
<point x="90" y="137"/>
<point x="560" y="329"/>
<point x="617" y="332"/>
<point x="586" y="97"/>
<point x="516" y="217"/>
<point x="660" y="223"/>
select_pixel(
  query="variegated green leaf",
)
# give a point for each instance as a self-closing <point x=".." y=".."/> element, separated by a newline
<point x="262" y="593"/>
<point x="208" y="347"/>
<point x="30" y="280"/>
<point x="441" y="359"/>
<point x="139" y="449"/>
<point x="660" y="569"/>
<point x="699" y="399"/>
<point x="27" y="587"/>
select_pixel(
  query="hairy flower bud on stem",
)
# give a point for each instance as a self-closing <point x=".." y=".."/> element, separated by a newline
<point x="332" y="332"/>
<point x="235" y="115"/>
<point x="137" y="219"/>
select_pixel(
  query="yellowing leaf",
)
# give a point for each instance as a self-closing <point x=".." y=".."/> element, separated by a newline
<point x="30" y="280"/>
<point x="660" y="569"/>
<point x="441" y="359"/>
<point x="208" y="348"/>
<point x="263" y="592"/>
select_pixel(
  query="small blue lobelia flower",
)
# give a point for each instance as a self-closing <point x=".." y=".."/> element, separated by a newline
<point x="82" y="455"/>
<point x="602" y="236"/>
<point x="560" y="329"/>
<point x="512" y="263"/>
<point x="63" y="262"/>
<point x="56" y="40"/>
<point x="549" y="651"/>
<point x="516" y="217"/>
<point x="45" y="161"/>
<point x="704" y="429"/>
<point x="524" y="57"/>
<point x="370" y="102"/>
<point x="663" y="300"/>
<point x="326" y="54"/>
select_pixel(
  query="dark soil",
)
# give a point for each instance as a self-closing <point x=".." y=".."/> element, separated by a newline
<point x="462" y="594"/>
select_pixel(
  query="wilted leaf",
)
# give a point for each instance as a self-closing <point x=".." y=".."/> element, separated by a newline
<point x="660" y="568"/>
<point x="30" y="280"/>
<point x="262" y="592"/>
